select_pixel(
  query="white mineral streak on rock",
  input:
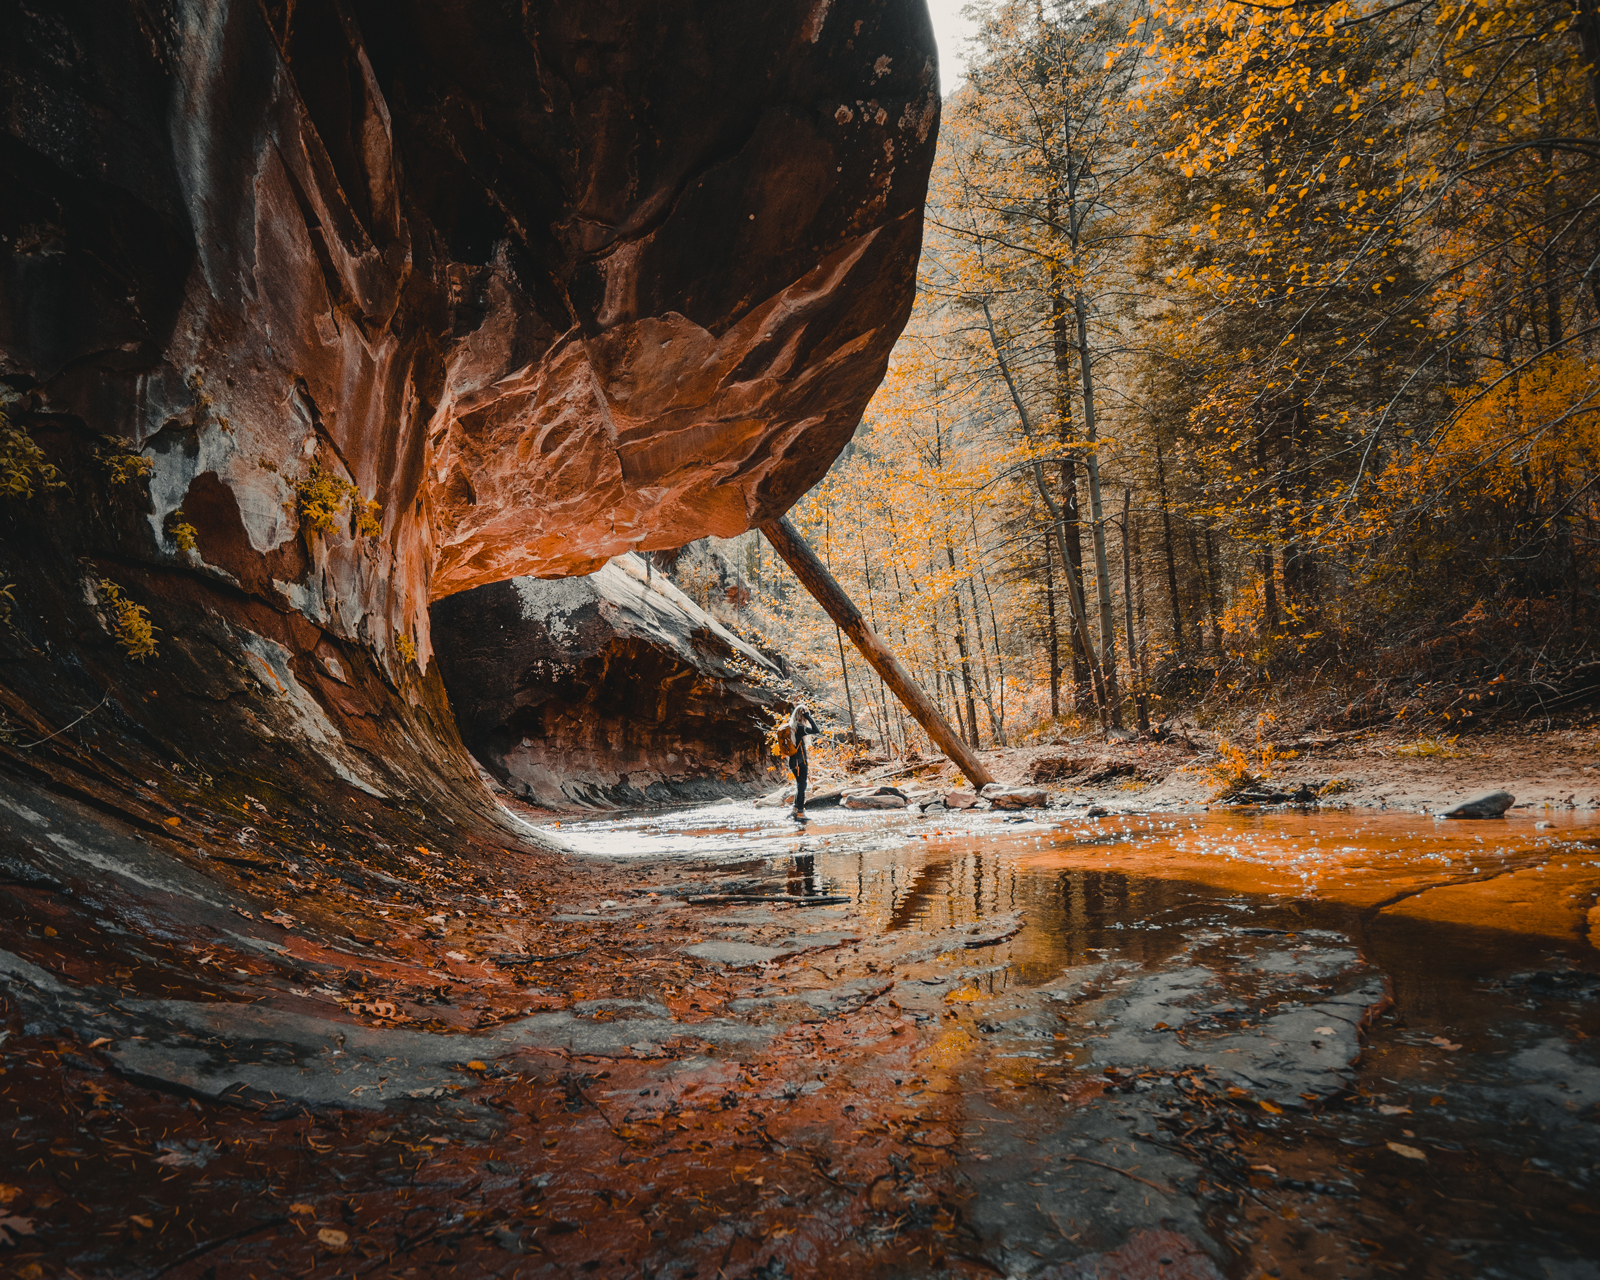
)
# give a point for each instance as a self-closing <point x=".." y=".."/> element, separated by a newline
<point x="657" y="609"/>
<point x="816" y="18"/>
<point x="274" y="674"/>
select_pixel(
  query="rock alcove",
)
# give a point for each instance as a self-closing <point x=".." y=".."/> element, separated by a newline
<point x="614" y="689"/>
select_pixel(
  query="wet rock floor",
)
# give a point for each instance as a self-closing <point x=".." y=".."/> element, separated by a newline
<point x="1178" y="1045"/>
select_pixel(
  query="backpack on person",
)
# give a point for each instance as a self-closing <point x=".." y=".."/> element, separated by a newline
<point x="787" y="745"/>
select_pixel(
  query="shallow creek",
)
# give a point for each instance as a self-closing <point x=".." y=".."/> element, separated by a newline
<point x="1289" y="1044"/>
<point x="1183" y="1045"/>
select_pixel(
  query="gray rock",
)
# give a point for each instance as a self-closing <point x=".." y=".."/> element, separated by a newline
<point x="1016" y="797"/>
<point x="742" y="954"/>
<point x="874" y="802"/>
<point x="1492" y="805"/>
<point x="960" y="799"/>
<point x="736" y="954"/>
<point x="1300" y="1042"/>
<point x="826" y="798"/>
<point x="216" y="1050"/>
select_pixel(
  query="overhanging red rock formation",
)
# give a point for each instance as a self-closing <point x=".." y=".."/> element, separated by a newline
<point x="398" y="299"/>
<point x="547" y="284"/>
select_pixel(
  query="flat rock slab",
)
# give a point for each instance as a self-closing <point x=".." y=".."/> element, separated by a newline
<point x="1283" y="1021"/>
<point x="836" y="999"/>
<point x="1017" y="797"/>
<point x="1167" y="1254"/>
<point x="960" y="799"/>
<point x="1493" y="805"/>
<point x="237" y="1052"/>
<point x="742" y="954"/>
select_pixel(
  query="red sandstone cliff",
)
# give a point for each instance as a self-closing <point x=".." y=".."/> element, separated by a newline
<point x="517" y="288"/>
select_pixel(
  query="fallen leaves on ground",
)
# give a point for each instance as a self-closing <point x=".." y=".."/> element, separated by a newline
<point x="12" y="1226"/>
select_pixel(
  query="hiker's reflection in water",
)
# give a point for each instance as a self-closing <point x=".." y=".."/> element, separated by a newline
<point x="802" y="874"/>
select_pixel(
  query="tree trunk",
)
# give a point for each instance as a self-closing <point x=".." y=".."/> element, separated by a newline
<point x="955" y="702"/>
<point x="1084" y="678"/>
<point x="998" y="712"/>
<point x="1140" y="705"/>
<point x="844" y="669"/>
<point x="1144" y="625"/>
<point x="983" y="664"/>
<point x="1214" y="590"/>
<point x="1269" y="592"/>
<point x="961" y="648"/>
<point x="1588" y="25"/>
<point x="1083" y="691"/>
<point x="1097" y="531"/>
<point x="816" y="579"/>
<point x="1055" y="634"/>
<point x="1074" y="590"/>
<point x="1172" y="559"/>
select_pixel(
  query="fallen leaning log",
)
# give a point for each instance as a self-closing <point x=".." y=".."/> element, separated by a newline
<point x="816" y="579"/>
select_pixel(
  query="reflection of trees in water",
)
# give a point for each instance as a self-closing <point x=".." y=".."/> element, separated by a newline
<point x="1071" y="913"/>
<point x="1083" y="908"/>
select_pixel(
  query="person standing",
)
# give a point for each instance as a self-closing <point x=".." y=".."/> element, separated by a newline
<point x="800" y="725"/>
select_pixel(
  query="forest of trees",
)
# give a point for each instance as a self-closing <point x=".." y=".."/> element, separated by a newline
<point x="1254" y="360"/>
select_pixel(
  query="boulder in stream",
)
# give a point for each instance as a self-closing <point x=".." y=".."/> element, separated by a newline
<point x="1003" y="797"/>
<point x="825" y="798"/>
<point x="1493" y="805"/>
<point x="880" y="798"/>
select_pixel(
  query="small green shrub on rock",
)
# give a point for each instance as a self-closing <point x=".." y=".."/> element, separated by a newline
<point x="122" y="464"/>
<point x="130" y="622"/>
<point x="23" y="469"/>
<point x="324" y="496"/>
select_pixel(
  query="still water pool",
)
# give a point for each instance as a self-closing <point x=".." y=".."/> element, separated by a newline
<point x="1454" y="967"/>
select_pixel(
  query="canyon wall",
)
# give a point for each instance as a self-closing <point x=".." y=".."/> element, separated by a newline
<point x="329" y="309"/>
